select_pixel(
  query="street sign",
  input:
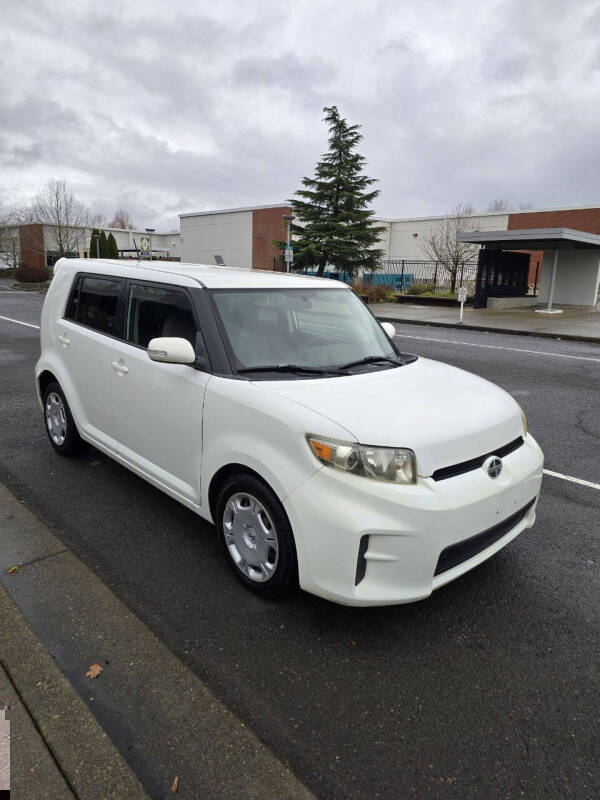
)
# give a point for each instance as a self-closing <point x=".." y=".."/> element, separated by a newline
<point x="462" y="296"/>
<point x="145" y="244"/>
<point x="289" y="255"/>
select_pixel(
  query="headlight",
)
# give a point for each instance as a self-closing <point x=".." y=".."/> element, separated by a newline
<point x="395" y="464"/>
<point x="524" y="421"/>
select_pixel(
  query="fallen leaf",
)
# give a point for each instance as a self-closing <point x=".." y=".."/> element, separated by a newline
<point x="12" y="569"/>
<point x="175" y="785"/>
<point x="94" y="671"/>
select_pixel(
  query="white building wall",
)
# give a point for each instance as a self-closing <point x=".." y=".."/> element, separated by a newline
<point x="404" y="244"/>
<point x="577" y="277"/>
<point x="226" y="234"/>
<point x="126" y="240"/>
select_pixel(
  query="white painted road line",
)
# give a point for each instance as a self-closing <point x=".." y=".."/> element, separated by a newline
<point x="497" y="347"/>
<point x="581" y="482"/>
<point x="19" y="322"/>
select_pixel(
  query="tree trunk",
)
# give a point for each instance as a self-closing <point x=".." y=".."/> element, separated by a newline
<point x="453" y="277"/>
<point x="322" y="265"/>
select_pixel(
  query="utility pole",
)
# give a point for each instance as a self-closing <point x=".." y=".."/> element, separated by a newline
<point x="289" y="253"/>
<point x="97" y="238"/>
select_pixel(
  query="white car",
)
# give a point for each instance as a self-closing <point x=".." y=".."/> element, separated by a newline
<point x="278" y="408"/>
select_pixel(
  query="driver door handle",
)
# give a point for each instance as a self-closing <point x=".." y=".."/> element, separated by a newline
<point x="119" y="366"/>
<point x="64" y="339"/>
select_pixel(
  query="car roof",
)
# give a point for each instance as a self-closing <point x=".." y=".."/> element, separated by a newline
<point x="211" y="277"/>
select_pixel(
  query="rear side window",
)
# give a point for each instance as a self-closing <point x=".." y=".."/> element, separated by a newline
<point x="94" y="303"/>
<point x="153" y="311"/>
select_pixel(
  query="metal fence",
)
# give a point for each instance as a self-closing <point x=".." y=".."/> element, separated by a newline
<point x="406" y="276"/>
<point x="423" y="277"/>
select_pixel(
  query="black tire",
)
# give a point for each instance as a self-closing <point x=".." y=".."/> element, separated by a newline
<point x="285" y="575"/>
<point x="72" y="443"/>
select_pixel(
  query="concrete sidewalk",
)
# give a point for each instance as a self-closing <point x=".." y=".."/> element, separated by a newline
<point x="57" y="748"/>
<point x="576" y="322"/>
<point x="163" y="719"/>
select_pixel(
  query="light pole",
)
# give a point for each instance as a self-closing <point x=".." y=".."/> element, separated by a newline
<point x="97" y="238"/>
<point x="150" y="231"/>
<point x="288" y="219"/>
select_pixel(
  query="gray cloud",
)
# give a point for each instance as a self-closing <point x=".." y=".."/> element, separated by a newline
<point x="166" y="109"/>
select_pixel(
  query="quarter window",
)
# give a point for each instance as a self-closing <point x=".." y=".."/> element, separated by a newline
<point x="154" y="311"/>
<point x="95" y="303"/>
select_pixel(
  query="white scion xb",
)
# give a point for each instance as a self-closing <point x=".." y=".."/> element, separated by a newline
<point x="277" y="407"/>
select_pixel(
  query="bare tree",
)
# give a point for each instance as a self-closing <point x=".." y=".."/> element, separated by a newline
<point x="9" y="238"/>
<point x="498" y="205"/>
<point x="525" y="205"/>
<point x="122" y="219"/>
<point x="442" y="245"/>
<point x="66" y="217"/>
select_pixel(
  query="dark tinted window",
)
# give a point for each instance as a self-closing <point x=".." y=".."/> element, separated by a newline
<point x="95" y="302"/>
<point x="154" y="311"/>
<point x="71" y="311"/>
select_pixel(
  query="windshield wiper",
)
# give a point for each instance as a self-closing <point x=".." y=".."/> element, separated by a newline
<point x="372" y="360"/>
<point x="294" y="368"/>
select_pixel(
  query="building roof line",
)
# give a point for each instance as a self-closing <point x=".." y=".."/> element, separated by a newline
<point x="587" y="207"/>
<point x="232" y="210"/>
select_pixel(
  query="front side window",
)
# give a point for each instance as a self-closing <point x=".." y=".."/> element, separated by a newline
<point x="312" y="328"/>
<point x="153" y="311"/>
<point x="95" y="303"/>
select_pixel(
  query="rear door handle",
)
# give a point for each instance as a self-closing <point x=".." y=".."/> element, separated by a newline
<point x="64" y="339"/>
<point x="120" y="367"/>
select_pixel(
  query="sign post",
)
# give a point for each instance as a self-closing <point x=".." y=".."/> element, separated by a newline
<point x="462" y="296"/>
<point x="145" y="245"/>
<point x="289" y="257"/>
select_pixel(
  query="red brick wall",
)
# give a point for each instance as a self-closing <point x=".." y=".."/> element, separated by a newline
<point x="268" y="226"/>
<point x="581" y="219"/>
<point x="31" y="242"/>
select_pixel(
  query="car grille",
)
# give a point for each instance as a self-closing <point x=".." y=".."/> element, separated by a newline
<point x="474" y="463"/>
<point x="461" y="551"/>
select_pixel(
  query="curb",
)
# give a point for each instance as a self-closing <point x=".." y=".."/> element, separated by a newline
<point x="163" y="719"/>
<point x="511" y="331"/>
<point x="83" y="761"/>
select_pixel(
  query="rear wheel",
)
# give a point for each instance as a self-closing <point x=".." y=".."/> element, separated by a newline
<point x="257" y="536"/>
<point x="60" y="425"/>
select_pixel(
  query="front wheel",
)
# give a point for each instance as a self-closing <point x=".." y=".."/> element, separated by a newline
<point x="60" y="425"/>
<point x="257" y="536"/>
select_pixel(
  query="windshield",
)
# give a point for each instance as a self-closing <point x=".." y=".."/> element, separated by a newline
<point x="307" y="328"/>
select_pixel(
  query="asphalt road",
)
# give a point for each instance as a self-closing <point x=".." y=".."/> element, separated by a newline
<point x="489" y="689"/>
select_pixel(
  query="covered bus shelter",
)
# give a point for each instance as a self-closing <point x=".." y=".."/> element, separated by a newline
<point x="570" y="271"/>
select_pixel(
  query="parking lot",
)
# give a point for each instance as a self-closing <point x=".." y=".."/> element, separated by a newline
<point x="487" y="689"/>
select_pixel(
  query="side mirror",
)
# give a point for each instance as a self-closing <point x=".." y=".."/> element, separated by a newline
<point x="389" y="329"/>
<point x="171" y="350"/>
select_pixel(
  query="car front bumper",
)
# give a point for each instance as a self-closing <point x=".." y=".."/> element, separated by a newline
<point x="404" y="529"/>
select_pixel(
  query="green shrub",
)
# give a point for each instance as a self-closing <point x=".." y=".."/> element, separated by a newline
<point x="419" y="288"/>
<point x="113" y="250"/>
<point x="381" y="293"/>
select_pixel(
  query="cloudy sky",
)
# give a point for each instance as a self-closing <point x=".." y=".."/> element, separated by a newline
<point x="168" y="107"/>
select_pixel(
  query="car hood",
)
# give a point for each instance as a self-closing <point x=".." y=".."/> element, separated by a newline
<point x="444" y="414"/>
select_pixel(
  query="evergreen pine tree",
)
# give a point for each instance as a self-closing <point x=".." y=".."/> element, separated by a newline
<point x="338" y="226"/>
<point x="103" y="245"/>
<point x="113" y="250"/>
<point x="94" y="243"/>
